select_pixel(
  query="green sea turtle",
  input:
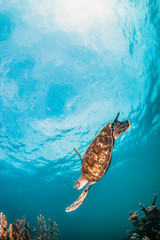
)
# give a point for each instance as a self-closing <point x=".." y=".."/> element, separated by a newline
<point x="97" y="158"/>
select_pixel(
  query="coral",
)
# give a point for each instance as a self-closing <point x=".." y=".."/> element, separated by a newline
<point x="3" y="227"/>
<point x="20" y="230"/>
<point x="134" y="216"/>
<point x="50" y="232"/>
<point x="148" y="228"/>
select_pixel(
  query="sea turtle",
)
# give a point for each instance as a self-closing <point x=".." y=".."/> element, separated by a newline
<point x="97" y="158"/>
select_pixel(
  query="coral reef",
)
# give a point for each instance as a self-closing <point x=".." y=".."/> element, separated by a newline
<point x="20" y="230"/>
<point x="148" y="228"/>
<point x="45" y="232"/>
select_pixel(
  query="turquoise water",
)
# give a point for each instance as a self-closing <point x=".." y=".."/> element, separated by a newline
<point x="66" y="69"/>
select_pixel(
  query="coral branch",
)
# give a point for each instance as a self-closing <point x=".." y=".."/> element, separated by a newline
<point x="154" y="200"/>
<point x="21" y="230"/>
<point x="149" y="226"/>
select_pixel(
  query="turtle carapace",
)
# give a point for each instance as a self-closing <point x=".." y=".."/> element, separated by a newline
<point x="97" y="158"/>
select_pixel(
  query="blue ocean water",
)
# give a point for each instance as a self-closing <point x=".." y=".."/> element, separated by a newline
<point x="66" y="69"/>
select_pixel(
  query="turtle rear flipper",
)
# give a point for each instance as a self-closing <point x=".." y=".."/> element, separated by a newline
<point x="80" y="183"/>
<point x="80" y="200"/>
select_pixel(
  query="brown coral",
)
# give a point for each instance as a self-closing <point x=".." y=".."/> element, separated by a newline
<point x="50" y="232"/>
<point x="21" y="230"/>
<point x="148" y="228"/>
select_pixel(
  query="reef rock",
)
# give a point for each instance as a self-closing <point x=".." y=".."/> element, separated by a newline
<point x="148" y="227"/>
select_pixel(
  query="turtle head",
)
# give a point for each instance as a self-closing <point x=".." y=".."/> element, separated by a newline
<point x="119" y="127"/>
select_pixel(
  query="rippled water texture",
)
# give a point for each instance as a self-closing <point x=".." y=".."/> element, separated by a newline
<point x="66" y="68"/>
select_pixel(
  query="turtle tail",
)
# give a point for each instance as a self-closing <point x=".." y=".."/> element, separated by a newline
<point x="80" y="200"/>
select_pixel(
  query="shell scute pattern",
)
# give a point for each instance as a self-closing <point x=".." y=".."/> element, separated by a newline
<point x="96" y="149"/>
<point x="98" y="155"/>
<point x="102" y="157"/>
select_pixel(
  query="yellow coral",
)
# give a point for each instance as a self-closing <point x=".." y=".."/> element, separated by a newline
<point x="134" y="216"/>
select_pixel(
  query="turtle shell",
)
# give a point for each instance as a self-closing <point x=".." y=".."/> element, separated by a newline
<point x="98" y="155"/>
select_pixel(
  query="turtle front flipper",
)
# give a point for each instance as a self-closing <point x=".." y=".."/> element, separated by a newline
<point x="79" y="155"/>
<point x="80" y="200"/>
